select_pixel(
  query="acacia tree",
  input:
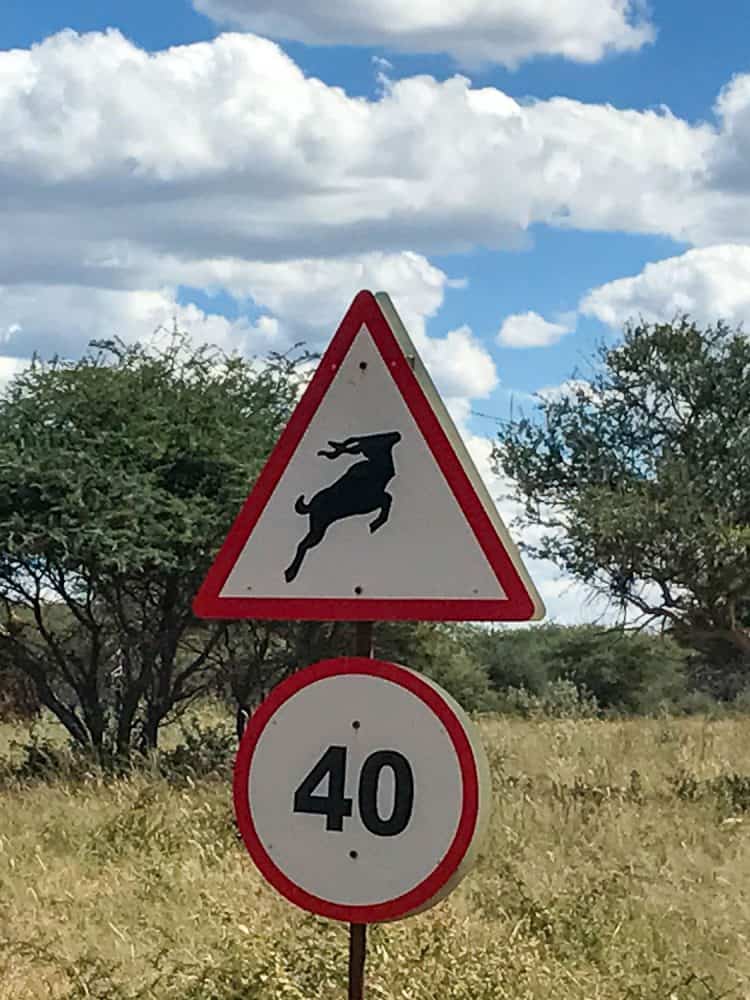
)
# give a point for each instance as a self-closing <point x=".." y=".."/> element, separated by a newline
<point x="119" y="476"/>
<point x="640" y="478"/>
<point x="253" y="656"/>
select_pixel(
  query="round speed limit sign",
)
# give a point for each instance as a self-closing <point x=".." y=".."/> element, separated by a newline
<point x="361" y="790"/>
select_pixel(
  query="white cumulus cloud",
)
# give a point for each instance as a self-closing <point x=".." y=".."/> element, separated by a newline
<point x="311" y="294"/>
<point x="709" y="283"/>
<point x="220" y="166"/>
<point x="459" y="363"/>
<point x="112" y="158"/>
<point x="472" y="31"/>
<point x="62" y="319"/>
<point x="530" y="330"/>
<point x="301" y="301"/>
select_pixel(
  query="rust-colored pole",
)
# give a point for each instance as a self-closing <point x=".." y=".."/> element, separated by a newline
<point x="357" y="953"/>
<point x="363" y="639"/>
<point x="363" y="646"/>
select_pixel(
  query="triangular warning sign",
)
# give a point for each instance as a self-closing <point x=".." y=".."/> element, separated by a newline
<point x="369" y="507"/>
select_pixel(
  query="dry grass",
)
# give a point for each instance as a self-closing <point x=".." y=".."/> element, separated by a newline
<point x="617" y="867"/>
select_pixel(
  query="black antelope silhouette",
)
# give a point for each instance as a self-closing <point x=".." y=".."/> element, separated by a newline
<point x="360" y="490"/>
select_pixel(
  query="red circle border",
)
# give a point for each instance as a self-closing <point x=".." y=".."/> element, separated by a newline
<point x="446" y="868"/>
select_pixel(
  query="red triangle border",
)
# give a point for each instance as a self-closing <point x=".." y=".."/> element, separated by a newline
<point x="518" y="605"/>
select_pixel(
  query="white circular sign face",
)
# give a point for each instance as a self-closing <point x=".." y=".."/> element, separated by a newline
<point x="360" y="790"/>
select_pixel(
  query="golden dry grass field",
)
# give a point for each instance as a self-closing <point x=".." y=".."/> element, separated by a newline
<point x="617" y="867"/>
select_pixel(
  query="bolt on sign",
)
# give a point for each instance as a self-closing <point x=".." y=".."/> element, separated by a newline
<point x="370" y="507"/>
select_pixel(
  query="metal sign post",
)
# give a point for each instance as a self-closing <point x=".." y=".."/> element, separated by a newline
<point x="357" y="954"/>
<point x="363" y="646"/>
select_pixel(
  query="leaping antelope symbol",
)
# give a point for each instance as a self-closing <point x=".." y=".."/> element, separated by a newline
<point x="361" y="490"/>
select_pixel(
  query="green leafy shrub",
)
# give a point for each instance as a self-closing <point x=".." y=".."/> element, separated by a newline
<point x="560" y="699"/>
<point x="202" y="751"/>
<point x="443" y="652"/>
<point x="730" y="792"/>
<point x="632" y="673"/>
<point x="41" y="759"/>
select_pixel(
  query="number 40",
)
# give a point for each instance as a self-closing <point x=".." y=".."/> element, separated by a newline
<point x="335" y="806"/>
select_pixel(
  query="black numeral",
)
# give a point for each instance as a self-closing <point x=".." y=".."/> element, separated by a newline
<point x="334" y="806"/>
<point x="403" y="796"/>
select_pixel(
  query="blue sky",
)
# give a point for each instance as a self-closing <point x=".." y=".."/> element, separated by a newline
<point x="694" y="56"/>
<point x="222" y="184"/>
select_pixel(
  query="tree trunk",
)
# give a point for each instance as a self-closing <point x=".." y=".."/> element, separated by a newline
<point x="741" y="639"/>
<point x="151" y="723"/>
<point x="125" y="721"/>
<point x="66" y="716"/>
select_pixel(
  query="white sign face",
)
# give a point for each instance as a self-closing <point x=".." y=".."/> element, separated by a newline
<point x="423" y="516"/>
<point x="360" y="790"/>
<point x="369" y="506"/>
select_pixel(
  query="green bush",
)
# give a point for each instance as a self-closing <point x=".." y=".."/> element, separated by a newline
<point x="741" y="702"/>
<point x="514" y="658"/>
<point x="202" y="751"/>
<point x="730" y="792"/>
<point x="561" y="699"/>
<point x="446" y="654"/>
<point x="621" y="671"/>
<point x="466" y="682"/>
<point x="41" y="759"/>
<point x="18" y="700"/>
<point x="629" y="671"/>
<point x="698" y="703"/>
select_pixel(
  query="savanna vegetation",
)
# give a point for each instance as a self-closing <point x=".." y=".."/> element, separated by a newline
<point x="616" y="864"/>
<point x="121" y="472"/>
<point x="638" y="480"/>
